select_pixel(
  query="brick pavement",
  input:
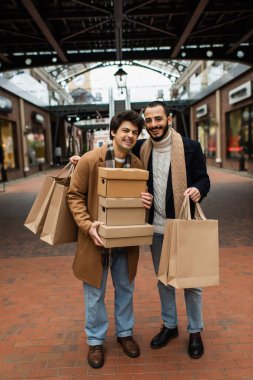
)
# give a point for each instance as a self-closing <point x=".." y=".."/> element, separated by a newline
<point x="41" y="319"/>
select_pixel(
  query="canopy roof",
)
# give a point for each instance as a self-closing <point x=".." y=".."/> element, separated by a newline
<point x="54" y="32"/>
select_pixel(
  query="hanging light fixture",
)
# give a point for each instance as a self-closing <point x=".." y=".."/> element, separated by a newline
<point x="121" y="78"/>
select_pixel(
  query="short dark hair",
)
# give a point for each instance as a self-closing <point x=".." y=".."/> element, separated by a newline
<point x="128" y="115"/>
<point x="157" y="103"/>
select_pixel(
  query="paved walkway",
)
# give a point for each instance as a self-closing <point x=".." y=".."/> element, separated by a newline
<point x="41" y="318"/>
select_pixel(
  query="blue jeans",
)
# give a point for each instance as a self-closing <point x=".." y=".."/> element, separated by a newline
<point x="193" y="296"/>
<point x="96" y="324"/>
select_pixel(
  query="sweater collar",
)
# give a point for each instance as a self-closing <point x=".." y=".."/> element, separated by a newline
<point x="165" y="142"/>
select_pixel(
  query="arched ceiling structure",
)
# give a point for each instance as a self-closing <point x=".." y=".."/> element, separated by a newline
<point x="170" y="69"/>
<point x="55" y="32"/>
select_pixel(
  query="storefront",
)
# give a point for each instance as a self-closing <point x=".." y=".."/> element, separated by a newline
<point x="238" y="121"/>
<point x="73" y="140"/>
<point x="10" y="157"/>
<point x="36" y="134"/>
<point x="223" y="124"/>
<point x="206" y="128"/>
<point x="206" y="132"/>
<point x="25" y="137"/>
<point x="240" y="136"/>
<point x="8" y="142"/>
<point x="207" y="138"/>
<point x="37" y="137"/>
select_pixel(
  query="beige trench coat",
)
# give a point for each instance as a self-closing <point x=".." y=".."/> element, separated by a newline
<point x="83" y="203"/>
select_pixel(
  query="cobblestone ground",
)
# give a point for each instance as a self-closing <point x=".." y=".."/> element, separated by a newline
<point x="41" y="303"/>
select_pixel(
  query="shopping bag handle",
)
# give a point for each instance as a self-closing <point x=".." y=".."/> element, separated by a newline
<point x="185" y="212"/>
<point x="199" y="214"/>
<point x="71" y="169"/>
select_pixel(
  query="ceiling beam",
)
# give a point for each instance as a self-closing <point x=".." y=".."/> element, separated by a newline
<point x="190" y="25"/>
<point x="139" y="6"/>
<point x="118" y="17"/>
<point x="238" y="43"/>
<point x="221" y="24"/>
<point x="164" y="54"/>
<point x="44" y="29"/>
<point x="89" y="5"/>
<point x="17" y="33"/>
<point x="94" y="26"/>
<point x="151" y="27"/>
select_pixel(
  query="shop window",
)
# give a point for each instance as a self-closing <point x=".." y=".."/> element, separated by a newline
<point x="36" y="147"/>
<point x="240" y="133"/>
<point x="8" y="144"/>
<point x="207" y="138"/>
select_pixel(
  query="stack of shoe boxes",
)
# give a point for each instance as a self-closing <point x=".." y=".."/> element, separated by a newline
<point x="121" y="209"/>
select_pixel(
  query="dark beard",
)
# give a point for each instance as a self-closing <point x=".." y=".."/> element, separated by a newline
<point x="159" y="138"/>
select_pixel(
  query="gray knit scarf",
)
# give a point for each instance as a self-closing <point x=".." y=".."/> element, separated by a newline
<point x="110" y="157"/>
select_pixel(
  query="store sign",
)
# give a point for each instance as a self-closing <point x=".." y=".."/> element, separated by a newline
<point x="5" y="105"/>
<point x="239" y="93"/>
<point x="38" y="118"/>
<point x="202" y="111"/>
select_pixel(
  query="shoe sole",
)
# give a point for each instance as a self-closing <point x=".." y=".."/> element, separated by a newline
<point x="164" y="344"/>
<point x="96" y="366"/>
<point x="196" y="356"/>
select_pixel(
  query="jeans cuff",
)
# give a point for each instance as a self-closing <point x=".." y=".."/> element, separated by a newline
<point x="123" y="335"/>
<point x="192" y="331"/>
<point x="169" y="326"/>
<point x="95" y="342"/>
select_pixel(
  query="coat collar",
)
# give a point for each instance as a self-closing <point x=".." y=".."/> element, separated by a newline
<point x="103" y="150"/>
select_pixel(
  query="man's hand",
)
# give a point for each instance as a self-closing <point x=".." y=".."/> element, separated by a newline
<point x="74" y="159"/>
<point x="147" y="200"/>
<point x="193" y="193"/>
<point x="94" y="234"/>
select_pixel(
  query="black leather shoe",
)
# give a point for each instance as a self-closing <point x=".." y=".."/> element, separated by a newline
<point x="96" y="356"/>
<point x="130" y="347"/>
<point x="195" y="348"/>
<point x="164" y="336"/>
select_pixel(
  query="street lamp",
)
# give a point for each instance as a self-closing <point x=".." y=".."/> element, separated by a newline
<point x="121" y="78"/>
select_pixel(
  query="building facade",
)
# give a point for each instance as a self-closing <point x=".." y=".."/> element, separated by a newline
<point x="25" y="136"/>
<point x="223" y="124"/>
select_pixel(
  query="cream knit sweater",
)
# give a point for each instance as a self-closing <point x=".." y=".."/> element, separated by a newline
<point x="161" y="166"/>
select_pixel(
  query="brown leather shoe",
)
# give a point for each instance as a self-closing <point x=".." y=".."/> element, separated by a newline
<point x="130" y="347"/>
<point x="96" y="356"/>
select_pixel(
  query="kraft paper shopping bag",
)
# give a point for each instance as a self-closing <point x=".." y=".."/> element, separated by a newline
<point x="60" y="226"/>
<point x="190" y="252"/>
<point x="37" y="215"/>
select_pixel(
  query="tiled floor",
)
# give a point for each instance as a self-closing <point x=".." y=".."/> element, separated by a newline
<point x="41" y="302"/>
